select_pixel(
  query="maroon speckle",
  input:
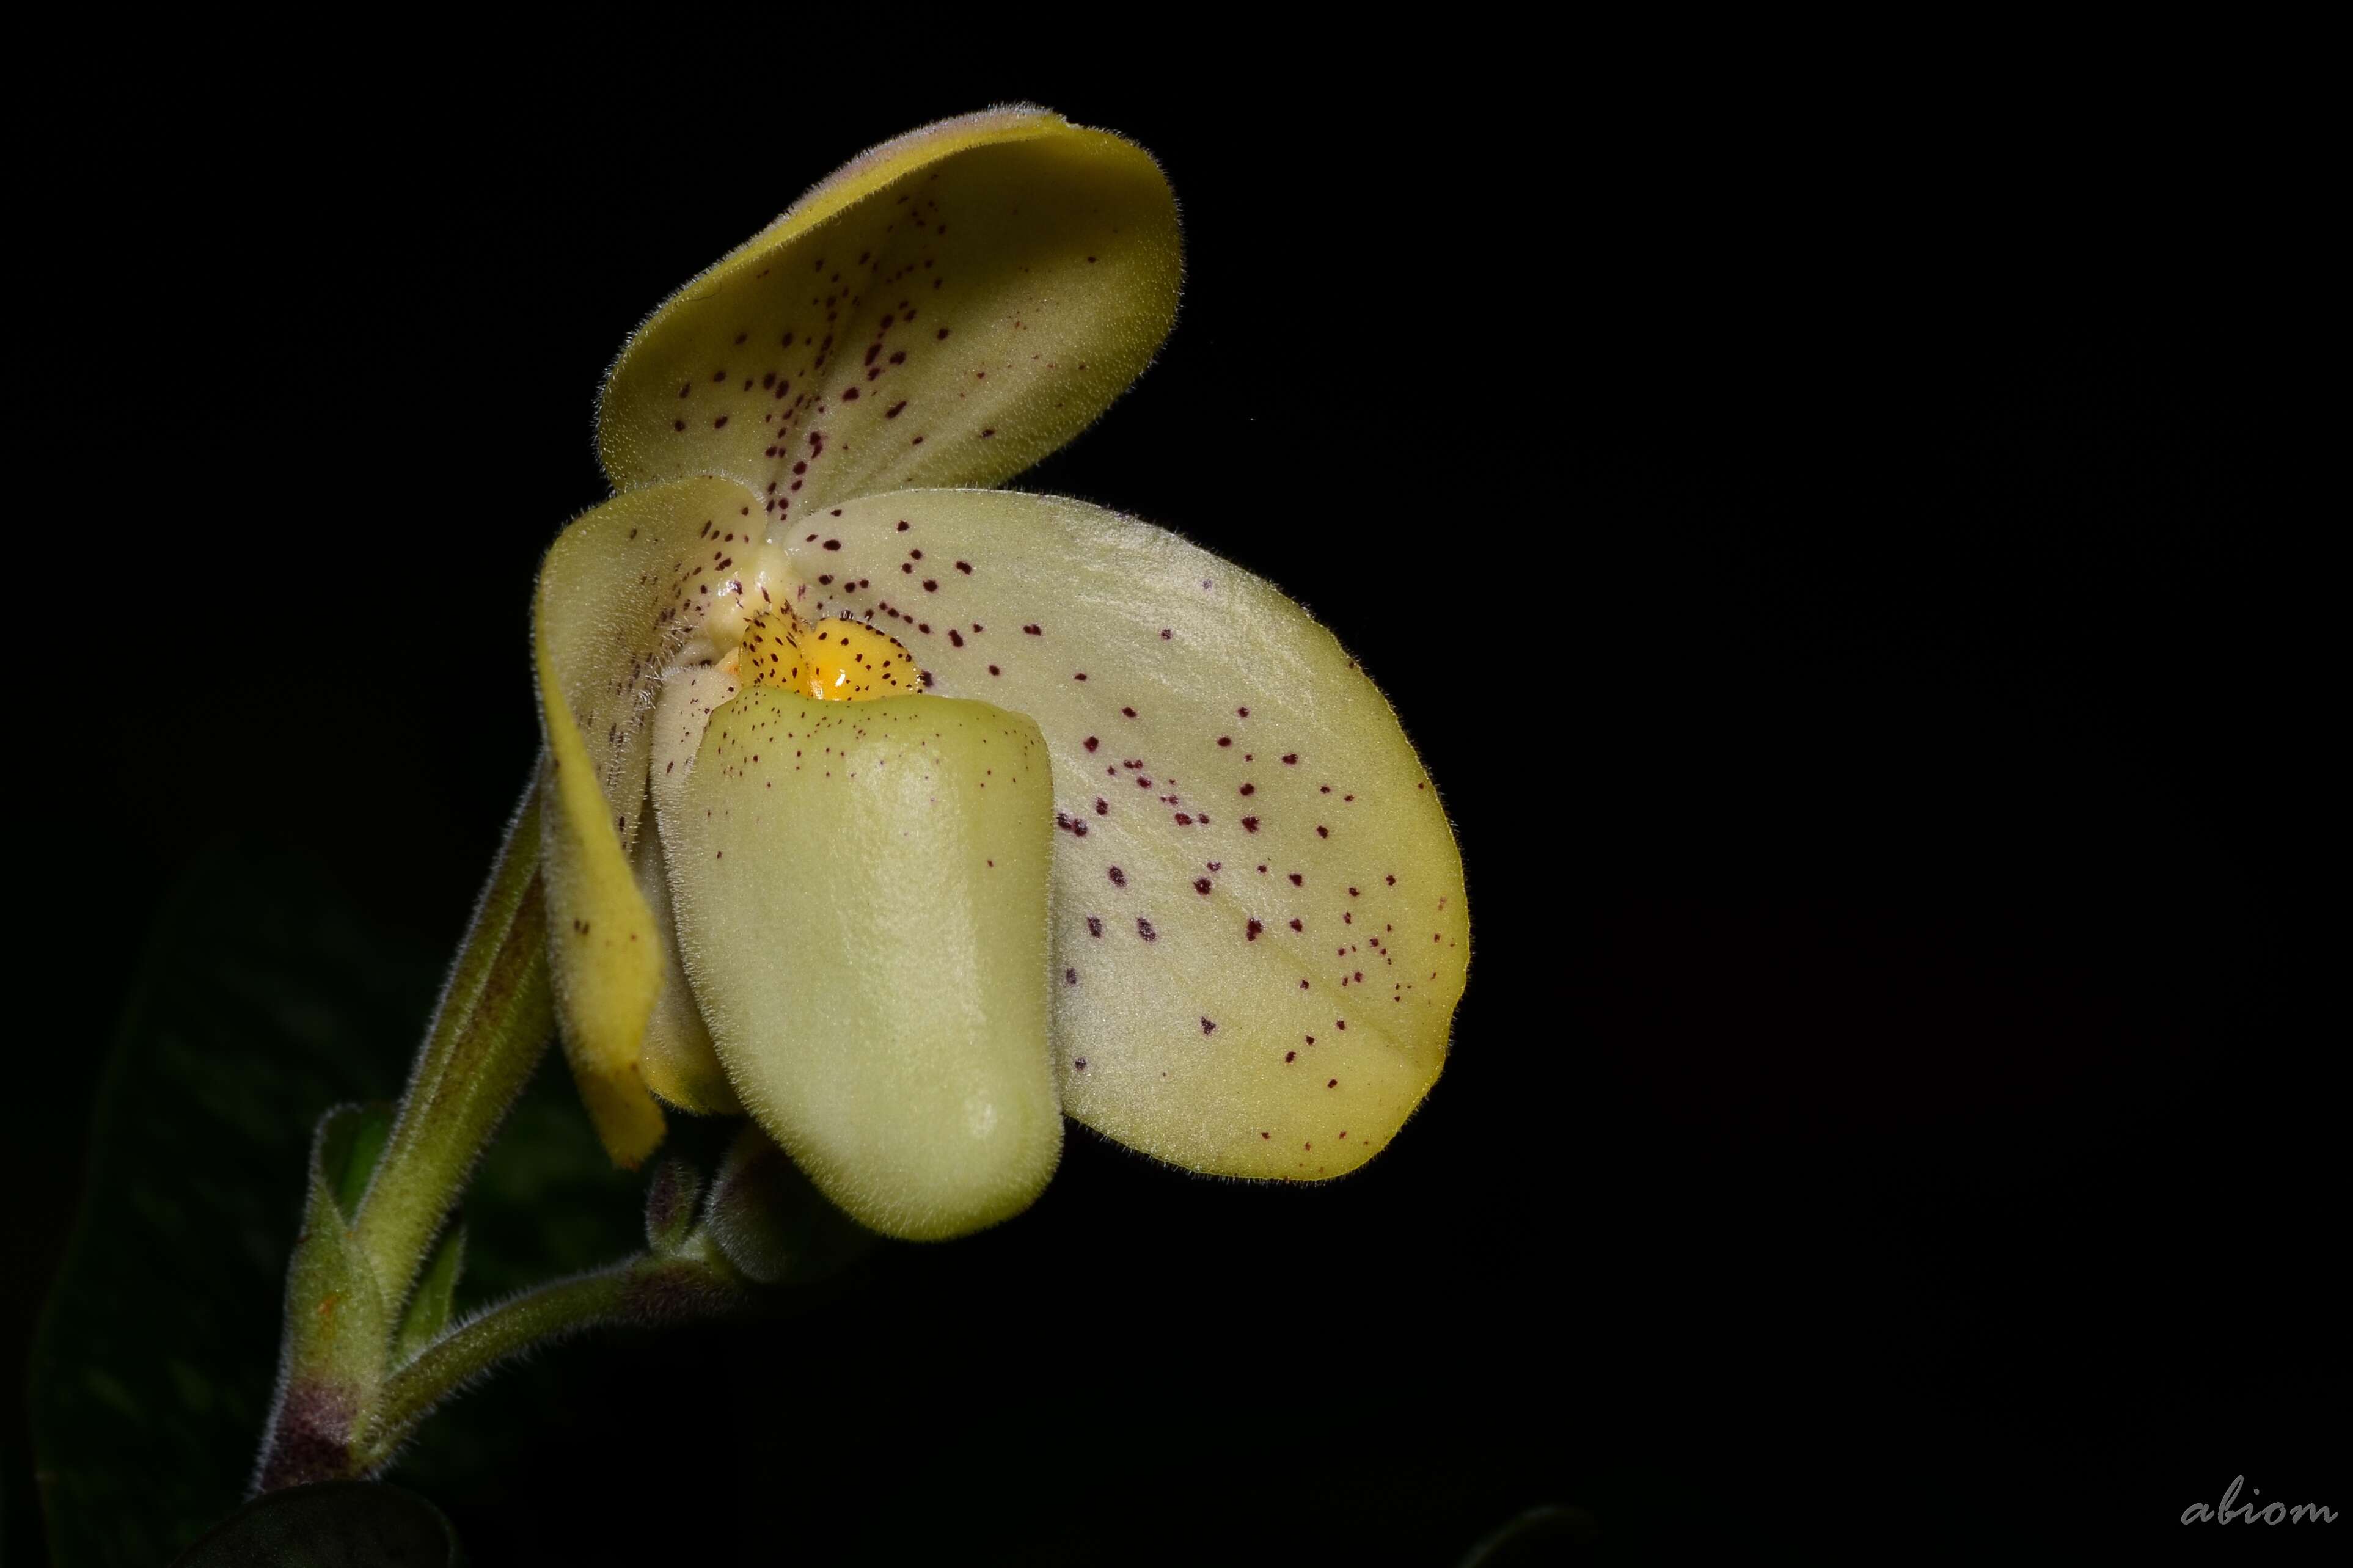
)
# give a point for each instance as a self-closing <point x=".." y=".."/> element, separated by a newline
<point x="833" y="544"/>
<point x="1201" y="886"/>
<point x="1250" y="932"/>
<point x="1129" y="712"/>
<point x="1207" y="1027"/>
<point x="1292" y="761"/>
<point x="1070" y="977"/>
<point x="1092" y="743"/>
<point x="1118" y="878"/>
<point x="1094" y="926"/>
<point x="1144" y="928"/>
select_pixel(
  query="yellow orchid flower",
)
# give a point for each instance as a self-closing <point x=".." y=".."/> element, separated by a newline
<point x="908" y="815"/>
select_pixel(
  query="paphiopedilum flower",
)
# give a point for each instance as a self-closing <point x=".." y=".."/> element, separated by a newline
<point x="909" y="816"/>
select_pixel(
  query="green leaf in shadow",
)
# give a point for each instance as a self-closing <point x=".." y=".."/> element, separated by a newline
<point x="334" y="1524"/>
<point x="262" y="1001"/>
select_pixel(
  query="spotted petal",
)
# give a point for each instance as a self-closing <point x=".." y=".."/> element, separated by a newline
<point x="946" y="311"/>
<point x="623" y="587"/>
<point x="1258" y="910"/>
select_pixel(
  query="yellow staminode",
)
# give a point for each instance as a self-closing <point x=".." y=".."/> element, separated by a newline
<point x="832" y="661"/>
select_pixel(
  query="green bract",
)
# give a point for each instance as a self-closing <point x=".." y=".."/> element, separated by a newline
<point x="1111" y="827"/>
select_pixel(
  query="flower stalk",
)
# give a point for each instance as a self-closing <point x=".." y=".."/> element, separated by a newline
<point x="342" y="1407"/>
<point x="488" y="1032"/>
<point x="646" y="1291"/>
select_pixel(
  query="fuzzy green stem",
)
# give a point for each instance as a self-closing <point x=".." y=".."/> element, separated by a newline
<point x="488" y="1032"/>
<point x="352" y="1274"/>
<point x="644" y="1290"/>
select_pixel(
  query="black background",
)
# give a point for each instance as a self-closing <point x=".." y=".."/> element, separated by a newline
<point x="1835" y="547"/>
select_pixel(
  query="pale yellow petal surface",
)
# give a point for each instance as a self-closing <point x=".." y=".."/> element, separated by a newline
<point x="1259" y="935"/>
<point x="677" y="1061"/>
<point x="861" y="894"/>
<point x="946" y="311"/>
<point x="617" y="592"/>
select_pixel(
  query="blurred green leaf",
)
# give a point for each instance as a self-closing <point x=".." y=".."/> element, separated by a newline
<point x="264" y="1000"/>
<point x="1549" y="1534"/>
<point x="334" y="1524"/>
<point x="261" y="1002"/>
